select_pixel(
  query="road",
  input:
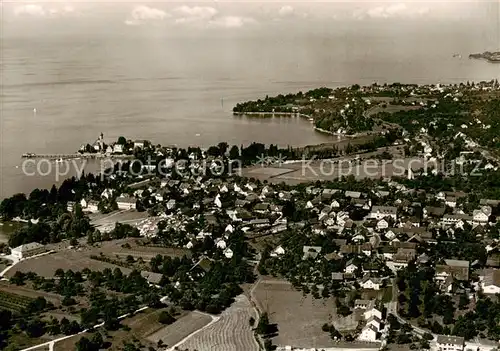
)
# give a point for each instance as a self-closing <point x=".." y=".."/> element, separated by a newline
<point x="392" y="308"/>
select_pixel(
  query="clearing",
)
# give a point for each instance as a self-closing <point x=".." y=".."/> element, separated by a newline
<point x="80" y="257"/>
<point x="299" y="318"/>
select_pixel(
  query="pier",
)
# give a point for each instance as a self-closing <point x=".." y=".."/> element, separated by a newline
<point x="75" y="156"/>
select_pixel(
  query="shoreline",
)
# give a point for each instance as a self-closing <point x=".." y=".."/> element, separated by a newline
<point x="298" y="114"/>
<point x="74" y="156"/>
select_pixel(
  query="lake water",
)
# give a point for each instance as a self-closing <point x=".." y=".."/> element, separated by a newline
<point x="181" y="91"/>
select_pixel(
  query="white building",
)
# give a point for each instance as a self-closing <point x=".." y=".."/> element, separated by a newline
<point x="139" y="144"/>
<point x="89" y="206"/>
<point x="350" y="268"/>
<point x="118" y="149"/>
<point x="372" y="312"/>
<point x="382" y="224"/>
<point x="228" y="253"/>
<point x="278" y="251"/>
<point x="27" y="250"/>
<point x="220" y="243"/>
<point x="490" y="284"/>
<point x="126" y="203"/>
<point x="369" y="334"/>
<point x="370" y="283"/>
<point x="379" y="212"/>
<point x="449" y="343"/>
<point x="171" y="204"/>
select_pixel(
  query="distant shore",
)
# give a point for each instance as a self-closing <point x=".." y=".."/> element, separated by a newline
<point x="492" y="57"/>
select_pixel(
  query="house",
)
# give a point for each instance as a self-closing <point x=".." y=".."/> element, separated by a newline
<point x="478" y="344"/>
<point x="350" y="267"/>
<point x="456" y="268"/>
<point x="261" y="208"/>
<point x="107" y="193"/>
<point x="375" y="321"/>
<point x="70" y="205"/>
<point x="353" y="194"/>
<point x="479" y="217"/>
<point x="228" y="253"/>
<point x="449" y="343"/>
<point x="450" y="201"/>
<point x="489" y="202"/>
<point x="259" y="222"/>
<point x="240" y="203"/>
<point x="220" y="243"/>
<point x="435" y="212"/>
<point x="369" y="334"/>
<point x="118" y="149"/>
<point x="379" y="212"/>
<point x="382" y="224"/>
<point x="126" y="203"/>
<point x="311" y="252"/>
<point x="89" y="206"/>
<point x="451" y="219"/>
<point x="482" y="215"/>
<point x="139" y="144"/>
<point x="335" y="204"/>
<point x="337" y="276"/>
<point x="490" y="284"/>
<point x="372" y="312"/>
<point x="278" y="251"/>
<point x="28" y="250"/>
<point x="152" y="278"/>
<point x="402" y="258"/>
<point x="387" y="251"/>
<point x="170" y="204"/>
<point x="363" y="304"/>
<point x="370" y="283"/>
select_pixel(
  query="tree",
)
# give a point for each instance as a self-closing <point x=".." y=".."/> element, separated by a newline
<point x="122" y="141"/>
<point x="263" y="326"/>
<point x="166" y="318"/>
<point x="223" y="146"/>
<point x="234" y="152"/>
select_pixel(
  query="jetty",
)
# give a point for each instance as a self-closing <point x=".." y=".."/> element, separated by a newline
<point x="75" y="156"/>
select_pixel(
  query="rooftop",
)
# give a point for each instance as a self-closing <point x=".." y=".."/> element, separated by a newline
<point x="452" y="340"/>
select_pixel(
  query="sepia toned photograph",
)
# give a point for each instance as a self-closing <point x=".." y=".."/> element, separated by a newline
<point x="249" y="175"/>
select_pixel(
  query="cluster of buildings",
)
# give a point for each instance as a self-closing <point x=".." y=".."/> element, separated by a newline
<point x="100" y="146"/>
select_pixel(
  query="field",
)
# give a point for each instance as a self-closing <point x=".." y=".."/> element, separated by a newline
<point x="30" y="293"/>
<point x="78" y="258"/>
<point x="231" y="332"/>
<point x="184" y="326"/>
<point x="13" y="302"/>
<point x="308" y="171"/>
<point x="299" y="318"/>
<point x="106" y="222"/>
<point x="46" y="266"/>
<point x="141" y="325"/>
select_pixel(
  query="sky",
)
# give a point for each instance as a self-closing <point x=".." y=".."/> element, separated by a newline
<point x="20" y="16"/>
